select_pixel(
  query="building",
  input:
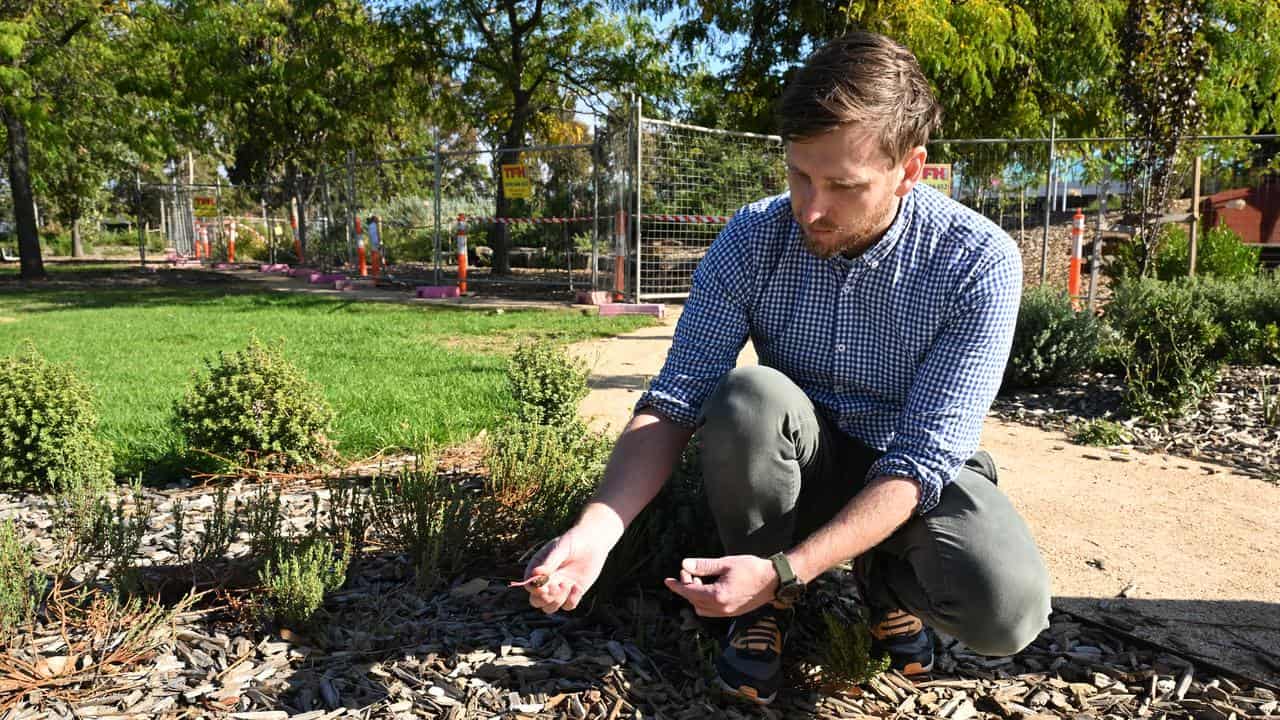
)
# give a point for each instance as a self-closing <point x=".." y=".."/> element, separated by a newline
<point x="1252" y="213"/>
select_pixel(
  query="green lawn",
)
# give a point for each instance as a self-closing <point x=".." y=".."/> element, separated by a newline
<point x="394" y="373"/>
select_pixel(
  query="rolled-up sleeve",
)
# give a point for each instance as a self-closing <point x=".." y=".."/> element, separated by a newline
<point x="712" y="329"/>
<point x="941" y="423"/>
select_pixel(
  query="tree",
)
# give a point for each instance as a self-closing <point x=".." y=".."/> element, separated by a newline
<point x="284" y="87"/>
<point x="1165" y="57"/>
<point x="518" y="62"/>
<point x="74" y="109"/>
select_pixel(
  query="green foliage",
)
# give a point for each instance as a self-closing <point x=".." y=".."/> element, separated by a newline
<point x="1248" y="311"/>
<point x="20" y="582"/>
<point x="220" y="530"/>
<point x="91" y="529"/>
<point x="1170" y="341"/>
<point x="350" y="511"/>
<point x="263" y="518"/>
<point x="254" y="408"/>
<point x="296" y="579"/>
<point x="427" y="516"/>
<point x="1219" y="253"/>
<point x="543" y="475"/>
<point x="846" y="651"/>
<point x="47" y="426"/>
<point x="1269" y="397"/>
<point x="1051" y="340"/>
<point x="546" y="383"/>
<point x="1099" y="432"/>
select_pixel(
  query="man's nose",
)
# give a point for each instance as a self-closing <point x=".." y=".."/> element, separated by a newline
<point x="815" y="207"/>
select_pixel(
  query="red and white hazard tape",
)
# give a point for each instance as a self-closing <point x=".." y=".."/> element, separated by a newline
<point x="696" y="219"/>
<point x="692" y="219"/>
<point x="527" y="221"/>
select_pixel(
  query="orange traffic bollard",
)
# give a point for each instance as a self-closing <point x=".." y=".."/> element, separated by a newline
<point x="1077" y="257"/>
<point x="462" y="254"/>
<point x="231" y="244"/>
<point x="619" y="255"/>
<point x="364" y="266"/>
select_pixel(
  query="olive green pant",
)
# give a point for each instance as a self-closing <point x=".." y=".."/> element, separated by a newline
<point x="776" y="470"/>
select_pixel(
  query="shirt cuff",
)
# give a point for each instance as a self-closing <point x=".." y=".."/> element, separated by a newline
<point x="900" y="464"/>
<point x="677" y="411"/>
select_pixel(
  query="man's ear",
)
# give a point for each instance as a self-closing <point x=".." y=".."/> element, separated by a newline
<point x="912" y="169"/>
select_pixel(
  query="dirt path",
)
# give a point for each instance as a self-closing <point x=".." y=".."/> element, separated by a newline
<point x="1190" y="546"/>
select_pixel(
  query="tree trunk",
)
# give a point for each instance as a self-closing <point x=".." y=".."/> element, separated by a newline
<point x="299" y="197"/>
<point x="77" y="243"/>
<point x="24" y="209"/>
<point x="514" y="138"/>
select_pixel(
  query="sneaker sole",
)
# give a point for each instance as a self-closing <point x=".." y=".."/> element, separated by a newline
<point x="744" y="693"/>
<point x="916" y="669"/>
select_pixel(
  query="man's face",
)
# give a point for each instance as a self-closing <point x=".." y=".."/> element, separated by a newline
<point x="844" y="190"/>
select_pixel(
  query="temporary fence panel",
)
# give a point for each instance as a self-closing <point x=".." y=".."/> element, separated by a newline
<point x="692" y="181"/>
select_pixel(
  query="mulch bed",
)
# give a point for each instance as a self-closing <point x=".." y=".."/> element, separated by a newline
<point x="1228" y="426"/>
<point x="384" y="648"/>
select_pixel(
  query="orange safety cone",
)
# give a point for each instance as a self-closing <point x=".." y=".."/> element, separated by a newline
<point x="1077" y="257"/>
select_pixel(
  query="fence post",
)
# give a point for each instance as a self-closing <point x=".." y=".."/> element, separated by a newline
<point x="142" y="228"/>
<point x="1195" y="215"/>
<point x="1048" y="203"/>
<point x="1095" y="259"/>
<point x="462" y="254"/>
<point x="596" y="152"/>
<point x="353" y="207"/>
<point x="436" y="236"/>
<point x="639" y="190"/>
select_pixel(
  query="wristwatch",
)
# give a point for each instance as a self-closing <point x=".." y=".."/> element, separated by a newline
<point x="789" y="586"/>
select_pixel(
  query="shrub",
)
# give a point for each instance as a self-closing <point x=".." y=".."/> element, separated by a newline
<point x="219" y="530"/>
<point x="263" y="519"/>
<point x="1051" y="340"/>
<point x="427" y="516"/>
<point x="675" y="525"/>
<point x="846" y="651"/>
<point x="546" y="384"/>
<point x="1170" y="338"/>
<point x="20" y="582"/>
<point x="297" y="578"/>
<point x="1248" y="310"/>
<point x="1099" y="432"/>
<point x="90" y="529"/>
<point x="257" y="410"/>
<point x="1220" y="252"/>
<point x="544" y="474"/>
<point x="47" y="426"/>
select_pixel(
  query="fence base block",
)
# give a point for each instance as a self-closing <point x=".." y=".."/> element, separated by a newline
<point x="655" y="310"/>
<point x="274" y="268"/>
<point x="225" y="266"/>
<point x="319" y="278"/>
<point x="437" y="291"/>
<point x="592" y="297"/>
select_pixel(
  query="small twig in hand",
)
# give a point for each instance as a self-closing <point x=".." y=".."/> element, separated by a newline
<point x="535" y="581"/>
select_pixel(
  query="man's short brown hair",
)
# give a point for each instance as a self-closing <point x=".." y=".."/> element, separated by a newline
<point x="863" y="79"/>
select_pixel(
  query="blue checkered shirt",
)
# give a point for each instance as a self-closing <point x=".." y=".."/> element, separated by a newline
<point x="903" y="347"/>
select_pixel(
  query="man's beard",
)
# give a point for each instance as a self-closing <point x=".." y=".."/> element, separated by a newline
<point x="854" y="238"/>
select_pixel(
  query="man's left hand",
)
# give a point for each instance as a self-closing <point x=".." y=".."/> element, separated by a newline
<point x="727" y="586"/>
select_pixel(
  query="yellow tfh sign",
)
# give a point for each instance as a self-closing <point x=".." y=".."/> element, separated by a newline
<point x="938" y="177"/>
<point x="515" y="182"/>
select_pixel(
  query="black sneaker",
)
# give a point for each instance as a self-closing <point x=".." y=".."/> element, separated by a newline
<point x="750" y="665"/>
<point x="906" y="640"/>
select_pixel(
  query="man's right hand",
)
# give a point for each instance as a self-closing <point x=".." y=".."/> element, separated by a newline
<point x="571" y="563"/>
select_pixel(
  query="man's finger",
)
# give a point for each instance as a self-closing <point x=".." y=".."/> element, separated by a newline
<point x="705" y="567"/>
<point x="575" y="597"/>
<point x="698" y="594"/>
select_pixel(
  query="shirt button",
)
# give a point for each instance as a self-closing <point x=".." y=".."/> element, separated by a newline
<point x="839" y="347"/>
<point x="838" y="388"/>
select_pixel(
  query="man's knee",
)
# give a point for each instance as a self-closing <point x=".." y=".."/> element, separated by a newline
<point x="747" y="402"/>
<point x="1001" y="609"/>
